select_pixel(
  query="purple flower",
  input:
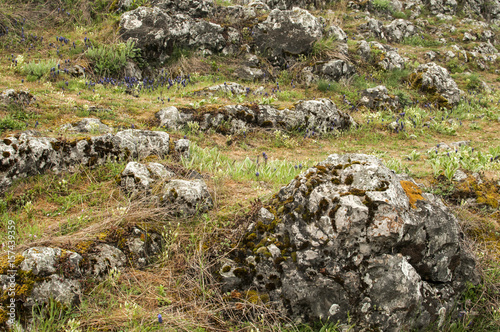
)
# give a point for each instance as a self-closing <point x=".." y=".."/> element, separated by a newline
<point x="160" y="320"/>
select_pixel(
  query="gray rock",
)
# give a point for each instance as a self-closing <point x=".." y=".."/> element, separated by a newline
<point x="354" y="239"/>
<point x="155" y="32"/>
<point x="60" y="289"/>
<point x="22" y="98"/>
<point x="378" y="98"/>
<point x="398" y="30"/>
<point x="136" y="177"/>
<point x="169" y="117"/>
<point x="442" y="6"/>
<point x="335" y="31"/>
<point x="336" y="69"/>
<point x="182" y="147"/>
<point x="287" y="32"/>
<point x="459" y="176"/>
<point x="132" y="70"/>
<point x="485" y="48"/>
<point x="227" y="88"/>
<point x="43" y="261"/>
<point x="105" y="259"/>
<point x="89" y="125"/>
<point x="431" y="77"/>
<point x="25" y="155"/>
<point x="187" y="197"/>
<point x="247" y="73"/>
<point x="468" y="37"/>
<point x="76" y="70"/>
<point x="143" y="246"/>
<point x="192" y="8"/>
<point x="392" y="60"/>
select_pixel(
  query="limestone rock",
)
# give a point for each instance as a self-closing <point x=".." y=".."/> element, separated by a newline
<point x="336" y="69"/>
<point x="169" y="117"/>
<point x="433" y="78"/>
<point x="25" y="155"/>
<point x="187" y="197"/>
<point x="43" y="261"/>
<point x="65" y="291"/>
<point x="104" y="259"/>
<point x="156" y="32"/>
<point x="287" y="32"/>
<point x="350" y="238"/>
<point x="89" y="125"/>
<point x="192" y="8"/>
<point x="22" y="98"/>
<point x="378" y="98"/>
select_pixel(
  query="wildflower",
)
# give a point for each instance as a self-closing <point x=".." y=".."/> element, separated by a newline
<point x="160" y="320"/>
<point x="257" y="174"/>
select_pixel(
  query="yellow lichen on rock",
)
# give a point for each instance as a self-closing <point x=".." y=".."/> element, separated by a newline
<point x="413" y="192"/>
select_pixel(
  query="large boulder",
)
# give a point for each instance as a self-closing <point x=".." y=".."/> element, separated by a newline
<point x="436" y="80"/>
<point x="351" y="239"/>
<point x="157" y="33"/>
<point x="25" y="155"/>
<point x="287" y="32"/>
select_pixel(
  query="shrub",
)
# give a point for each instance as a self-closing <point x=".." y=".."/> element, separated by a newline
<point x="37" y="70"/>
<point x="111" y="59"/>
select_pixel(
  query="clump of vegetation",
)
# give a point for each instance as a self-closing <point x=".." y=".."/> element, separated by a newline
<point x="109" y="60"/>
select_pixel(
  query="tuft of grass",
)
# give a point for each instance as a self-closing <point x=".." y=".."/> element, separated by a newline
<point x="37" y="70"/>
<point x="109" y="60"/>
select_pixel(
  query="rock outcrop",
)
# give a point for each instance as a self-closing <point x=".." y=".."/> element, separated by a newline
<point x="436" y="80"/>
<point x="287" y="32"/>
<point x="159" y="184"/>
<point x="21" y="98"/>
<point x="378" y="98"/>
<point x="25" y="155"/>
<point x="87" y="125"/>
<point x="45" y="273"/>
<point x="156" y="32"/>
<point x="350" y="238"/>
<point x="321" y="116"/>
<point x="336" y="69"/>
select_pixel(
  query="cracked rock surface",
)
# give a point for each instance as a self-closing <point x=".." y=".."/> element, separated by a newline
<point x="351" y="237"/>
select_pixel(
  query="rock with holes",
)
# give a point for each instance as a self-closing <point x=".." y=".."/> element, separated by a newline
<point x="25" y="155"/>
<point x="435" y="79"/>
<point x="45" y="273"/>
<point x="378" y="98"/>
<point x="187" y="197"/>
<point x="287" y="32"/>
<point x="104" y="259"/>
<point x="156" y="32"/>
<point x="349" y="238"/>
<point x="137" y="177"/>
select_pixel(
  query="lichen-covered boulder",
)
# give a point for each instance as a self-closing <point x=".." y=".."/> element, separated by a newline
<point x="350" y="238"/>
<point x="187" y="197"/>
<point x="378" y="98"/>
<point x="25" y="155"/>
<point x="156" y="32"/>
<point x="287" y="32"/>
<point x="137" y="177"/>
<point x="398" y="30"/>
<point x="435" y="79"/>
<point x="442" y="6"/>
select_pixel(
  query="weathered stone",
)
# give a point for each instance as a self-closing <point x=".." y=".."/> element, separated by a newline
<point x="182" y="147"/>
<point x="22" y="98"/>
<point x="287" y="32"/>
<point x="378" y="98"/>
<point x="43" y="261"/>
<point x="433" y="78"/>
<point x="192" y="8"/>
<point x="105" y="259"/>
<point x="169" y="117"/>
<point x="187" y="197"/>
<point x="247" y="73"/>
<point x="227" y="88"/>
<point x="156" y="32"/>
<point x="57" y="288"/>
<point x="25" y="155"/>
<point x="354" y="239"/>
<point x="395" y="32"/>
<point x="88" y="125"/>
<point x="336" y="69"/>
<point x="319" y="115"/>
